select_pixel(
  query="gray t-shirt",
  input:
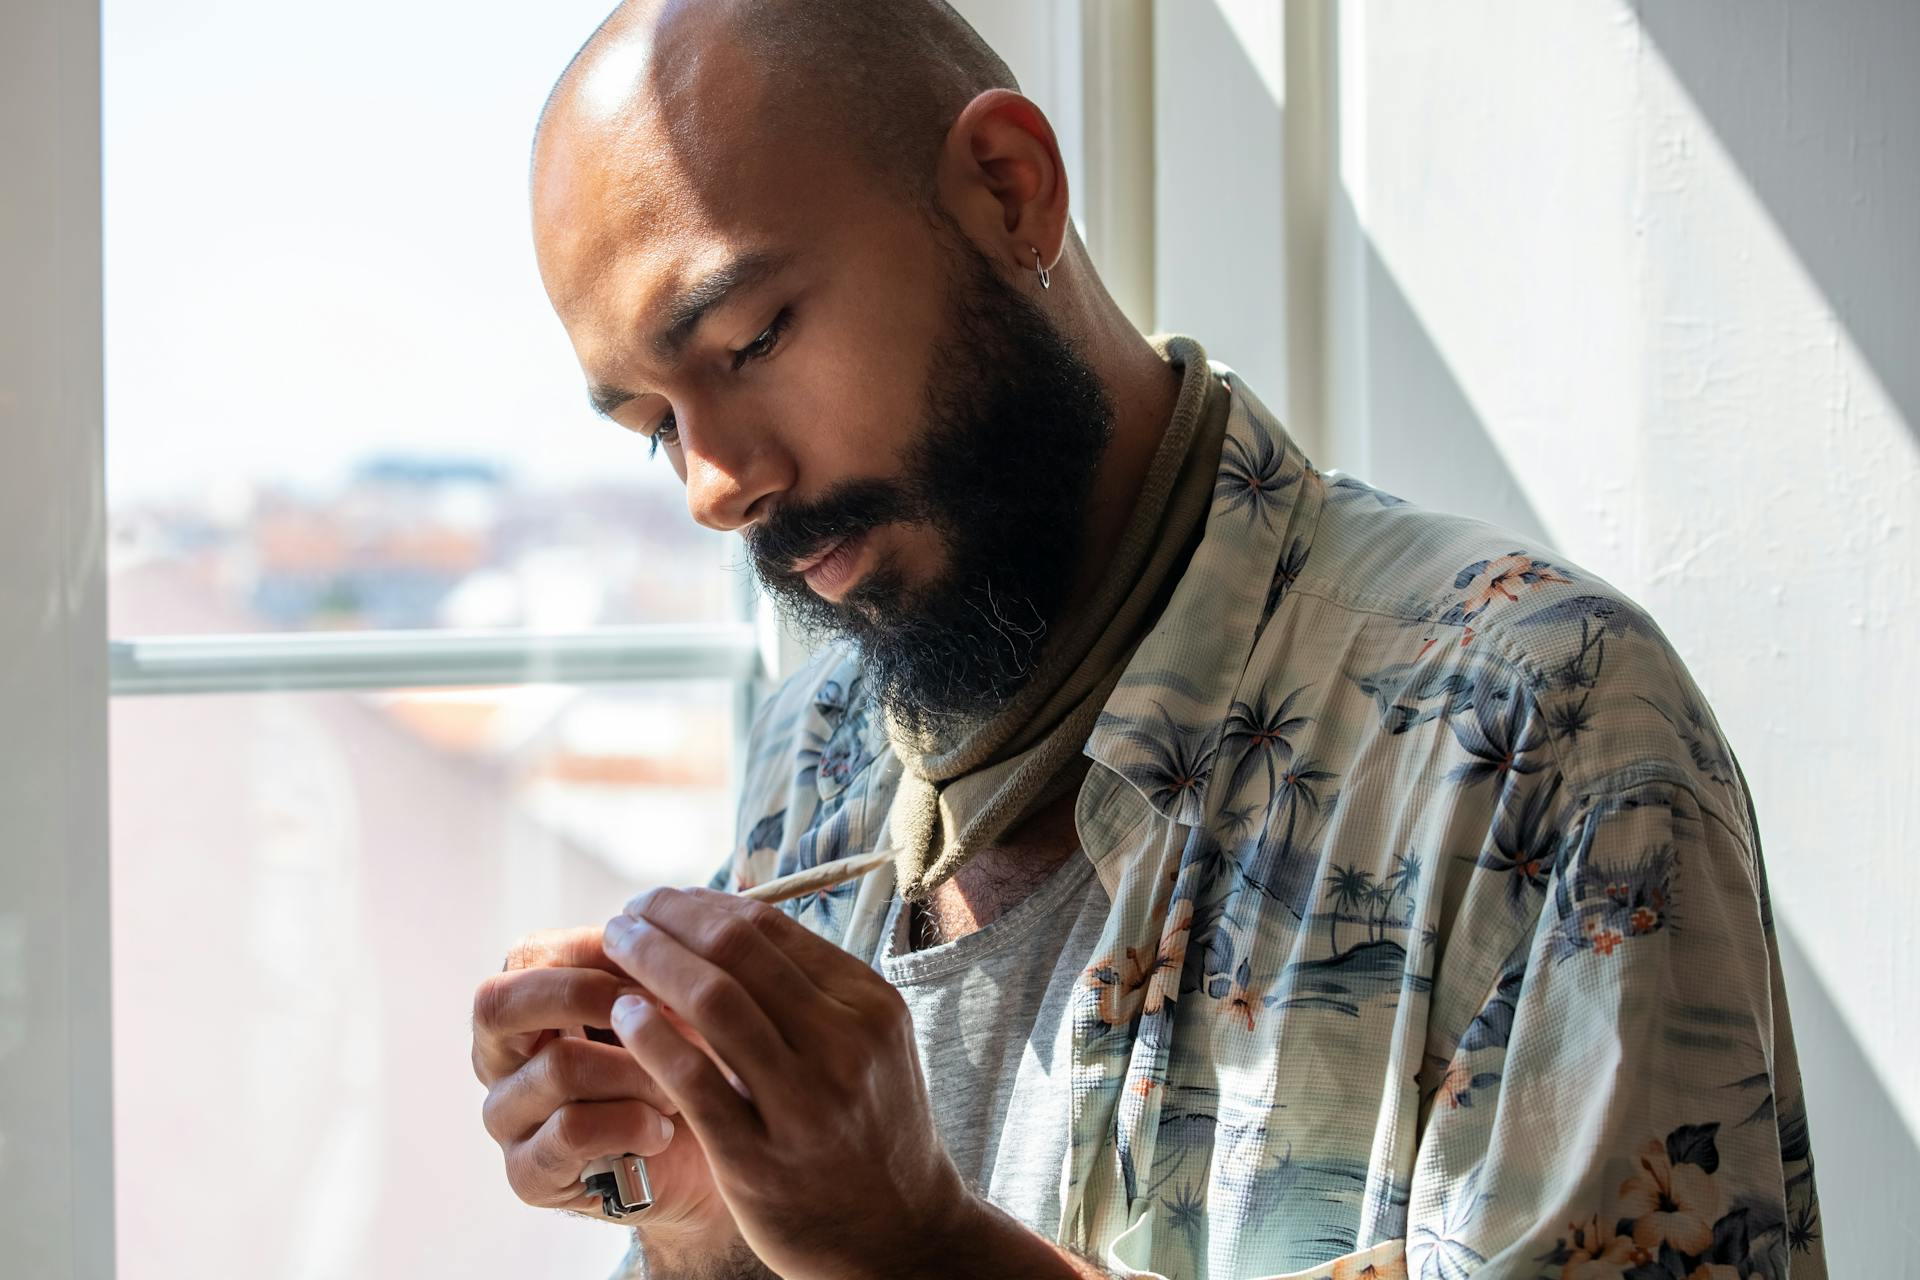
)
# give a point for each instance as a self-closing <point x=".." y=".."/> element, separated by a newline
<point x="990" y="1019"/>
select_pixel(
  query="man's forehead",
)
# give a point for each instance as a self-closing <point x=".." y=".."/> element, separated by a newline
<point x="643" y="294"/>
<point x="633" y="217"/>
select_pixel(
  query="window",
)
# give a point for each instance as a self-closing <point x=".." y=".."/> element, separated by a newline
<point x="413" y="654"/>
<point x="408" y="654"/>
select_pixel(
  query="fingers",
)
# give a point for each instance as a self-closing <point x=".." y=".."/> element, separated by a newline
<point x="749" y="940"/>
<point x="729" y="983"/>
<point x="725" y="1122"/>
<point x="812" y="960"/>
<point x="545" y="1169"/>
<point x="566" y="1070"/>
<point x="576" y="948"/>
<point x="811" y="951"/>
<point x="511" y="1006"/>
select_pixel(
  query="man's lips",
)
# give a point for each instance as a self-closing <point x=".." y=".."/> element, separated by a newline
<point x="832" y="571"/>
<point x="801" y="566"/>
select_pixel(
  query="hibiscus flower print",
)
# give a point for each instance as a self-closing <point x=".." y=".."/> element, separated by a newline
<point x="1163" y="982"/>
<point x="1595" y="1251"/>
<point x="1144" y="982"/>
<point x="1670" y="1219"/>
<point x="1489" y="580"/>
<point x="1121" y="986"/>
<point x="1392" y="1270"/>
<point x="1670" y="1203"/>
<point x="1485" y="583"/>
<point x="1458" y="1084"/>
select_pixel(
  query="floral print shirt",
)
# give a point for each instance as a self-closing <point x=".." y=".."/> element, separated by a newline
<point x="1440" y="942"/>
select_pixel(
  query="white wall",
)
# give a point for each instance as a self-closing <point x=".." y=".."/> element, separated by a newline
<point x="1647" y="284"/>
<point x="1641" y="282"/>
<point x="1219" y="160"/>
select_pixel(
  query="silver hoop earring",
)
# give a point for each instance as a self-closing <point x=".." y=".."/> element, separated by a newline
<point x="1046" y="280"/>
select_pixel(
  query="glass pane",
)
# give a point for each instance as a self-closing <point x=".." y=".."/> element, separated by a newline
<point x="306" y="890"/>
<point x="337" y="396"/>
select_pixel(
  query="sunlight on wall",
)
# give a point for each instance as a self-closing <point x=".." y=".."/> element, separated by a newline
<point x="1561" y="304"/>
<point x="1256" y="27"/>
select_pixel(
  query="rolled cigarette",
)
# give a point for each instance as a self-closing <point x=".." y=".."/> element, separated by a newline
<point x="813" y="879"/>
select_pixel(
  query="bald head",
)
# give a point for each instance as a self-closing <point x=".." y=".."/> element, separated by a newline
<point x="883" y="78"/>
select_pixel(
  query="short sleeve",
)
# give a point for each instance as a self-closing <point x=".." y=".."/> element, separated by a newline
<point x="1626" y="1102"/>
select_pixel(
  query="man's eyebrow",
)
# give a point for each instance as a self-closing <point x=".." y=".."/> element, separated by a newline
<point x="687" y="311"/>
<point x="684" y="316"/>
<point x="605" y="399"/>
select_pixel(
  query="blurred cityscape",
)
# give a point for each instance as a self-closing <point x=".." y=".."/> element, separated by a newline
<point x="419" y="541"/>
<point x="307" y="887"/>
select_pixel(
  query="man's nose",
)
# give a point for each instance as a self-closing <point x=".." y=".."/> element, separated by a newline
<point x="729" y="469"/>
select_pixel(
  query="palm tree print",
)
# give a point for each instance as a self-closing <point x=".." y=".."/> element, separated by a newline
<point x="1501" y="737"/>
<point x="1298" y="788"/>
<point x="1250" y="477"/>
<point x="1187" y="1211"/>
<point x="1280" y="863"/>
<point x="1403" y="879"/>
<point x="1285" y="573"/>
<point x="1176" y="760"/>
<point x="1803" y="1229"/>
<point x="1582" y="669"/>
<point x="1570" y="719"/>
<point x="1437" y="1250"/>
<point x="1379" y="903"/>
<point x="1265" y="730"/>
<point x="1703" y="745"/>
<point x="1526" y="843"/>
<point x="1350" y="886"/>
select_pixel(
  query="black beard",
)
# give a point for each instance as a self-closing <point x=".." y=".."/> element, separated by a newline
<point x="1015" y="425"/>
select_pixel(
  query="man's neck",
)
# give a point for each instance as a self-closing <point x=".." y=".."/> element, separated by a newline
<point x="1143" y="389"/>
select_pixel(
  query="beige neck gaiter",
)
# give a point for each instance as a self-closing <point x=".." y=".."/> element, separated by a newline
<point x="959" y="795"/>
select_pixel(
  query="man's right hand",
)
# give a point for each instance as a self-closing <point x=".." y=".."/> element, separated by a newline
<point x="557" y="1101"/>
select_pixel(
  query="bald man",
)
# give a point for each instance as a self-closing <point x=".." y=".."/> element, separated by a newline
<point x="1284" y="881"/>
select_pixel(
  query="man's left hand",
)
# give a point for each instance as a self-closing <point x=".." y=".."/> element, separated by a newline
<point x="806" y="1094"/>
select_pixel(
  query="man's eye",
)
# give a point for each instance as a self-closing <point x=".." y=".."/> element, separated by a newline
<point x="763" y="346"/>
<point x="666" y="433"/>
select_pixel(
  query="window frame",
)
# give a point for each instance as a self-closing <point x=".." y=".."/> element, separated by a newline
<point x="56" y="1081"/>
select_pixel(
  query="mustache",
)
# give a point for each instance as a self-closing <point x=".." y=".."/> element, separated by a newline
<point x="797" y="531"/>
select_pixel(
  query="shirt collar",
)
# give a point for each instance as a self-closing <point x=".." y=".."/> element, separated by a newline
<point x="1160" y="728"/>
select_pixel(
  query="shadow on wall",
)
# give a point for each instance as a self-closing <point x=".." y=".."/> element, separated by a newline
<point x="1866" y="1161"/>
<point x="1421" y="426"/>
<point x="1817" y="105"/>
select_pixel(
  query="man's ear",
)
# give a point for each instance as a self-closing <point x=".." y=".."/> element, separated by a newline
<point x="1002" y="178"/>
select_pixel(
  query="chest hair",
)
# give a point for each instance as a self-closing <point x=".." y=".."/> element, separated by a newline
<point x="998" y="878"/>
